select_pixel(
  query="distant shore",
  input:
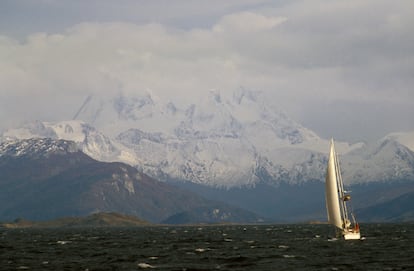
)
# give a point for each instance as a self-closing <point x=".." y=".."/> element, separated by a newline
<point x="94" y="220"/>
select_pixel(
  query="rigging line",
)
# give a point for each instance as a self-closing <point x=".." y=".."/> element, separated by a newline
<point x="341" y="189"/>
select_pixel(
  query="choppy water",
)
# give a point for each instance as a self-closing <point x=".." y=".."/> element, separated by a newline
<point x="233" y="247"/>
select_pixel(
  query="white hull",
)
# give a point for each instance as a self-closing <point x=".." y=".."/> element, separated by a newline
<point x="352" y="235"/>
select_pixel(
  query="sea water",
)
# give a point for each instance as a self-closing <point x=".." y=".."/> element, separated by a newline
<point x="225" y="247"/>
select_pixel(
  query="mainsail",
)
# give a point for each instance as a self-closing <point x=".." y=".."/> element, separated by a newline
<point x="336" y="199"/>
<point x="331" y="188"/>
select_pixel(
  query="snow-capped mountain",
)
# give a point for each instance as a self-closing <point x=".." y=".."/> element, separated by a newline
<point x="220" y="140"/>
<point x="243" y="115"/>
<point x="404" y="138"/>
<point x="384" y="160"/>
<point x="88" y="139"/>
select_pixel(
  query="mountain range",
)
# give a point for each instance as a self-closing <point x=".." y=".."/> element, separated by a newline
<point x="234" y="148"/>
<point x="43" y="179"/>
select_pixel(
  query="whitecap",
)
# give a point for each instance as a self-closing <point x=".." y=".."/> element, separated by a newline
<point x="289" y="256"/>
<point x="145" y="265"/>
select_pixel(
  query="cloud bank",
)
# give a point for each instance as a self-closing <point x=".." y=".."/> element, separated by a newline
<point x="344" y="69"/>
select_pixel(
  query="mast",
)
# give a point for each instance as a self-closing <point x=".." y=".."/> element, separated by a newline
<point x="341" y="191"/>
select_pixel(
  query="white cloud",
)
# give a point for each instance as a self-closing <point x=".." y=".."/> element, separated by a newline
<point x="308" y="56"/>
<point x="247" y="22"/>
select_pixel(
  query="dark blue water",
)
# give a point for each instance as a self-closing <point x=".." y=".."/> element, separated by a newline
<point x="233" y="247"/>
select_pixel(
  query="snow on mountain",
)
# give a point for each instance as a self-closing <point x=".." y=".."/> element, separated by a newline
<point x="36" y="147"/>
<point x="220" y="140"/>
<point x="115" y="114"/>
<point x="215" y="115"/>
<point x="404" y="138"/>
<point x="202" y="160"/>
<point x="88" y="139"/>
<point x="384" y="160"/>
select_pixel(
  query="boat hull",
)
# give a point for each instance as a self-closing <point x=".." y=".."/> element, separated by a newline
<point x="351" y="235"/>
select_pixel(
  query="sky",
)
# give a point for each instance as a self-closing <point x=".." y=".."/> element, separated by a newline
<point x="343" y="69"/>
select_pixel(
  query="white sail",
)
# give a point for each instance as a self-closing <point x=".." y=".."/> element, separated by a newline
<point x="336" y="199"/>
<point x="331" y="189"/>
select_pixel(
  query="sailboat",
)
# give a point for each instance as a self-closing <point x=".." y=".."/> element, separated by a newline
<point x="337" y="200"/>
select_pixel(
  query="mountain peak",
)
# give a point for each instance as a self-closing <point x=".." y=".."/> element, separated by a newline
<point x="243" y="94"/>
<point x="405" y="138"/>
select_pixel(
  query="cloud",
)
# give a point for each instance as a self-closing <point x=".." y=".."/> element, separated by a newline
<point x="247" y="22"/>
<point x="308" y="57"/>
<point x="20" y="18"/>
